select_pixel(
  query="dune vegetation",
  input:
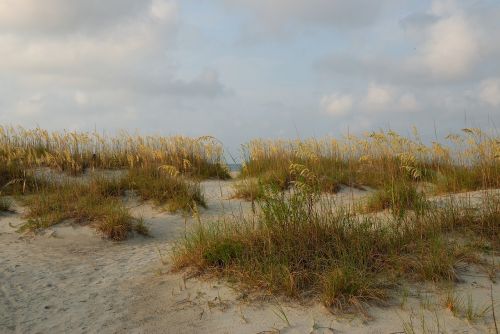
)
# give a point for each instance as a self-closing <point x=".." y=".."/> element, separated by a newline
<point x="301" y="246"/>
<point x="296" y="243"/>
<point x="74" y="152"/>
<point x="468" y="161"/>
<point x="164" y="170"/>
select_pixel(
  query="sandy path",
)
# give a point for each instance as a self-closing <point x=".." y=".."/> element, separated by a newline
<point x="71" y="281"/>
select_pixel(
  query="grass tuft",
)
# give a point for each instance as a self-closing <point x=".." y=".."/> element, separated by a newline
<point x="398" y="197"/>
<point x="5" y="205"/>
<point x="96" y="203"/>
<point x="173" y="192"/>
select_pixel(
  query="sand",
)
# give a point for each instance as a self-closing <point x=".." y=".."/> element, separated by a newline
<point x="69" y="280"/>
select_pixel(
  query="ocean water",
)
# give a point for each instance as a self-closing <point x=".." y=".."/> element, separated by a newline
<point x="234" y="167"/>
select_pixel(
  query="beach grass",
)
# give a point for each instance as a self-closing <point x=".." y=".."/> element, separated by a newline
<point x="164" y="170"/>
<point x="301" y="247"/>
<point x="465" y="161"/>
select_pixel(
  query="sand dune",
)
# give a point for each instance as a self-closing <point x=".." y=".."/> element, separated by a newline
<point x="69" y="280"/>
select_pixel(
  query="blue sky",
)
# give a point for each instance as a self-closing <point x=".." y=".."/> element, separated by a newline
<point x="239" y="69"/>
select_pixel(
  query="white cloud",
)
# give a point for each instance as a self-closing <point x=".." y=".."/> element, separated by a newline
<point x="66" y="16"/>
<point x="378" y="96"/>
<point x="164" y="10"/>
<point x="450" y="49"/>
<point x="81" y="98"/>
<point x="90" y="61"/>
<point x="408" y="102"/>
<point x="337" y="104"/>
<point x="445" y="7"/>
<point x="489" y="92"/>
<point x="59" y="54"/>
<point x="30" y="106"/>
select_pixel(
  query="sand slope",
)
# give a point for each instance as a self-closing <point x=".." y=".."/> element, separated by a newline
<point x="69" y="280"/>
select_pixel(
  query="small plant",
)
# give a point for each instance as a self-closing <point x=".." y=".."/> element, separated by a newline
<point x="398" y="197"/>
<point x="141" y="228"/>
<point x="466" y="308"/>
<point x="453" y="303"/>
<point x="349" y="286"/>
<point x="248" y="189"/>
<point x="222" y="254"/>
<point x="474" y="312"/>
<point x="115" y="224"/>
<point x="5" y="205"/>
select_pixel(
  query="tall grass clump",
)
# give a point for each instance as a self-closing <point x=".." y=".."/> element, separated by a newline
<point x="381" y="160"/>
<point x="165" y="187"/>
<point x="74" y="152"/>
<point x="301" y="247"/>
<point x="99" y="200"/>
<point x="480" y="219"/>
<point x="398" y="197"/>
<point x="97" y="203"/>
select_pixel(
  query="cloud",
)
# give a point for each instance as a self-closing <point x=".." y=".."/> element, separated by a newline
<point x="337" y="104"/>
<point x="408" y="102"/>
<point x="113" y="65"/>
<point x="376" y="99"/>
<point x="449" y="44"/>
<point x="451" y="49"/>
<point x="378" y="96"/>
<point x="66" y="16"/>
<point x="279" y="15"/>
<point x="31" y="105"/>
<point x="489" y="92"/>
<point x="81" y="98"/>
<point x="164" y="10"/>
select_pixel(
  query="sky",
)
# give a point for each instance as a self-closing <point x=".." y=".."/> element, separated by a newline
<point x="241" y="69"/>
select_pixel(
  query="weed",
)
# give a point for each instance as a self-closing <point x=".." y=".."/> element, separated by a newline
<point x="5" y="205"/>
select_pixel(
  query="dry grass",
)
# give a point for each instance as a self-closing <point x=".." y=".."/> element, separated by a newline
<point x="301" y="251"/>
<point x="75" y="151"/>
<point x="165" y="170"/>
<point x="469" y="161"/>
<point x="166" y="189"/>
<point x="300" y="248"/>
<point x="96" y="203"/>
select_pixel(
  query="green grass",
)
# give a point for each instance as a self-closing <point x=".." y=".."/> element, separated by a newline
<point x="95" y="203"/>
<point x="173" y="192"/>
<point x="299" y="249"/>
<point x="397" y="196"/>
<point x="99" y="202"/>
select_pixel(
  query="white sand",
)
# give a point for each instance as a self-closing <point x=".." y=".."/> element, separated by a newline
<point x="69" y="280"/>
